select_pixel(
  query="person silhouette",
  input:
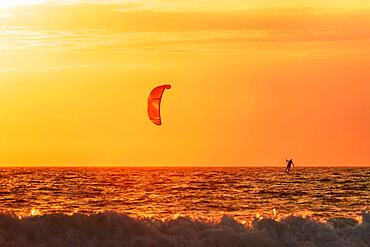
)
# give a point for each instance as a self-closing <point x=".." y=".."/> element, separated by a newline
<point x="289" y="164"/>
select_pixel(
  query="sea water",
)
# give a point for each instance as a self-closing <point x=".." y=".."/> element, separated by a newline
<point x="184" y="207"/>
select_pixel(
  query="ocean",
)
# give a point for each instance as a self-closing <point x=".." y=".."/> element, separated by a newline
<point x="184" y="207"/>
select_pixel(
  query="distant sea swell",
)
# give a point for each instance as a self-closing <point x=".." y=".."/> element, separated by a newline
<point x="197" y="192"/>
<point x="115" y="229"/>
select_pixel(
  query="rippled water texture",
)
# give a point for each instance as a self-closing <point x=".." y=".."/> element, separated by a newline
<point x="196" y="192"/>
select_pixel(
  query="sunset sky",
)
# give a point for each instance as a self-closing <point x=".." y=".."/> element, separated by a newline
<point x="253" y="82"/>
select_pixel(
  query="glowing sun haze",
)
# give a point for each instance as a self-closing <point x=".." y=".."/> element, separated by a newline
<point x="15" y="3"/>
<point x="253" y="82"/>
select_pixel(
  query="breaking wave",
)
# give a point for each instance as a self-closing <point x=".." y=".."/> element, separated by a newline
<point x="114" y="229"/>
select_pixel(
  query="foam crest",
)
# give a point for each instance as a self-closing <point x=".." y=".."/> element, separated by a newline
<point x="114" y="229"/>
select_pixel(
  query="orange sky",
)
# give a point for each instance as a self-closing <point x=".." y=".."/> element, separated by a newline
<point x="254" y="82"/>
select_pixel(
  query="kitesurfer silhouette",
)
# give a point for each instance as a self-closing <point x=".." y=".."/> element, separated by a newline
<point x="289" y="164"/>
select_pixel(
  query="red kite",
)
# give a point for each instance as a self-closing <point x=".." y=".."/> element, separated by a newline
<point x="154" y="104"/>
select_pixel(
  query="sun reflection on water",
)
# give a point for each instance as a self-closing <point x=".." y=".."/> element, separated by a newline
<point x="35" y="212"/>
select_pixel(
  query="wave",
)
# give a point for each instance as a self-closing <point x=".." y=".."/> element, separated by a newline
<point x="115" y="229"/>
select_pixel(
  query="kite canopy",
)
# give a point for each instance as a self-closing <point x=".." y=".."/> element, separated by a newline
<point x="154" y="104"/>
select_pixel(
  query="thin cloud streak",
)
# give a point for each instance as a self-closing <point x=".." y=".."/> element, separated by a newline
<point x="21" y="38"/>
<point x="110" y="17"/>
<point x="186" y="5"/>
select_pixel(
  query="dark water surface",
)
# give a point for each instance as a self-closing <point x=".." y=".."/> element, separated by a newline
<point x="196" y="192"/>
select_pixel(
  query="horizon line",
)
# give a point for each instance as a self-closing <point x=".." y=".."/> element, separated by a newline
<point x="179" y="166"/>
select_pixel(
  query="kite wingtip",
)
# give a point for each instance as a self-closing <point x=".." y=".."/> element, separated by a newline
<point x="156" y="122"/>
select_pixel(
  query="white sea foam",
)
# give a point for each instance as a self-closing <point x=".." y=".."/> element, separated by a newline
<point x="114" y="229"/>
